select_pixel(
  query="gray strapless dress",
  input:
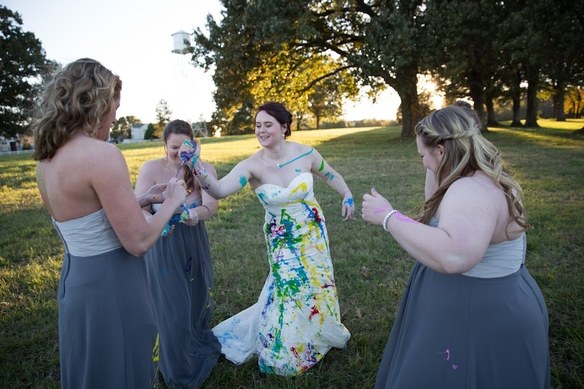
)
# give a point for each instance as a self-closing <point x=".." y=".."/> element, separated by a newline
<point x="457" y="331"/>
<point x="180" y="278"/>
<point x="106" y="326"/>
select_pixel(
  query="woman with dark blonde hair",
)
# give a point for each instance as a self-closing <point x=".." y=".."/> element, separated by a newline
<point x="106" y="327"/>
<point x="180" y="273"/>
<point x="472" y="316"/>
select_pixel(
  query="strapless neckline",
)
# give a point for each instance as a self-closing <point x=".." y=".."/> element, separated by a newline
<point x="284" y="187"/>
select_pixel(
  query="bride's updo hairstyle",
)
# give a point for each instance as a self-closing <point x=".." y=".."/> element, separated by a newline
<point x="282" y="115"/>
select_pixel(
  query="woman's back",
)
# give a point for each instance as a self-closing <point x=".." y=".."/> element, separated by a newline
<point x="65" y="181"/>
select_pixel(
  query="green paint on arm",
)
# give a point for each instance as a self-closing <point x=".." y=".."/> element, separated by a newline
<point x="321" y="166"/>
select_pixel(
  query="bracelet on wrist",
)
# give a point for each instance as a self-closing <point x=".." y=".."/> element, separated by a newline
<point x="208" y="210"/>
<point x="387" y="217"/>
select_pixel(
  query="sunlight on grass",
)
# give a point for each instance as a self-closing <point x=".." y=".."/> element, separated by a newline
<point x="543" y="136"/>
<point x="568" y="125"/>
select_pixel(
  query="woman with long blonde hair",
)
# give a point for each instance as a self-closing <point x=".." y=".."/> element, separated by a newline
<point x="106" y="327"/>
<point x="471" y="316"/>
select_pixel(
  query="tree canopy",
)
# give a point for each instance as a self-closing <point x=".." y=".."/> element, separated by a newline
<point x="22" y="66"/>
<point x="122" y="128"/>
<point x="486" y="50"/>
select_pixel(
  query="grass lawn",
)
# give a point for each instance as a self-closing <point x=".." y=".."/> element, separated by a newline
<point x="370" y="268"/>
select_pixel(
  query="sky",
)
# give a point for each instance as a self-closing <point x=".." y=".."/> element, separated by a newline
<point x="133" y="38"/>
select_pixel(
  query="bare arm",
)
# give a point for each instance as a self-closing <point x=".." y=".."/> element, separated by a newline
<point x="334" y="179"/>
<point x="209" y="204"/>
<point x="144" y="181"/>
<point x="111" y="182"/>
<point x="466" y="226"/>
<point x="233" y="182"/>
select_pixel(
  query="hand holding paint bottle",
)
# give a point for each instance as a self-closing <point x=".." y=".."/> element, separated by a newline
<point x="187" y="152"/>
<point x="189" y="155"/>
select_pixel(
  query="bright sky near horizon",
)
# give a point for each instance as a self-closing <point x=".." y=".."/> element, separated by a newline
<point x="133" y="38"/>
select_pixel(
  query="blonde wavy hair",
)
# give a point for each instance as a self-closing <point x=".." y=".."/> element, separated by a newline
<point x="78" y="98"/>
<point x="456" y="128"/>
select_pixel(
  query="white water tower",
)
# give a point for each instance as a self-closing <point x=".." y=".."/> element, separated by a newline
<point x="182" y="42"/>
<point x="184" y="73"/>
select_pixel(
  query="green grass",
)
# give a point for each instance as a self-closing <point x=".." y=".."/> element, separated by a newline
<point x="370" y="268"/>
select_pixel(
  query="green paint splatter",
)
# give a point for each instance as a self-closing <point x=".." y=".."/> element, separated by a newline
<point x="320" y="169"/>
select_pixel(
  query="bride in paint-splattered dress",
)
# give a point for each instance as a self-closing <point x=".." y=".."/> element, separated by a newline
<point x="296" y="320"/>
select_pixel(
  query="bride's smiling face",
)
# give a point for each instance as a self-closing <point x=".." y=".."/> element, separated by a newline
<point x="268" y="130"/>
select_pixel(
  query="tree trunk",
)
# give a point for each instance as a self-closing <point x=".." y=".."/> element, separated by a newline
<point x="559" y="102"/>
<point x="579" y="110"/>
<point x="491" y="117"/>
<point x="476" y="93"/>
<point x="532" y="83"/>
<point x="490" y="95"/>
<point x="516" y="98"/>
<point x="406" y="87"/>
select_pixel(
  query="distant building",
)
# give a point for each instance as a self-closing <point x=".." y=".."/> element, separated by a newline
<point x="4" y="145"/>
<point x="138" y="130"/>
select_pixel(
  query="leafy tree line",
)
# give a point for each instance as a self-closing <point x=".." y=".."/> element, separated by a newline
<point x="122" y="128"/>
<point x="315" y="54"/>
<point x="23" y="69"/>
<point x="493" y="52"/>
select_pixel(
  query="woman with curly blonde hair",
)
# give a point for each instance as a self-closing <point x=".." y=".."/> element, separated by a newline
<point x="106" y="327"/>
<point x="471" y="316"/>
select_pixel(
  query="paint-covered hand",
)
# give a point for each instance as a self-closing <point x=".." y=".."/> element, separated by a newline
<point x="374" y="207"/>
<point x="154" y="195"/>
<point x="175" y="192"/>
<point x="193" y="218"/>
<point x="348" y="206"/>
<point x="188" y="153"/>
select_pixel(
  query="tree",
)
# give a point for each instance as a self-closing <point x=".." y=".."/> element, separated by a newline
<point x="163" y="114"/>
<point x="326" y="98"/>
<point x="22" y="64"/>
<point x="250" y="71"/>
<point x="464" y="51"/>
<point x="149" y="134"/>
<point x="122" y="128"/>
<point x="377" y="41"/>
<point x="564" y="43"/>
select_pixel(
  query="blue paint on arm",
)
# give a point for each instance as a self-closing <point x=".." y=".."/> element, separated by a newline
<point x="242" y="181"/>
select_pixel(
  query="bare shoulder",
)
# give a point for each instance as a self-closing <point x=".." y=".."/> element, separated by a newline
<point x="252" y="160"/>
<point x="152" y="166"/>
<point x="478" y="190"/>
<point x="300" y="147"/>
<point x="95" y="153"/>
